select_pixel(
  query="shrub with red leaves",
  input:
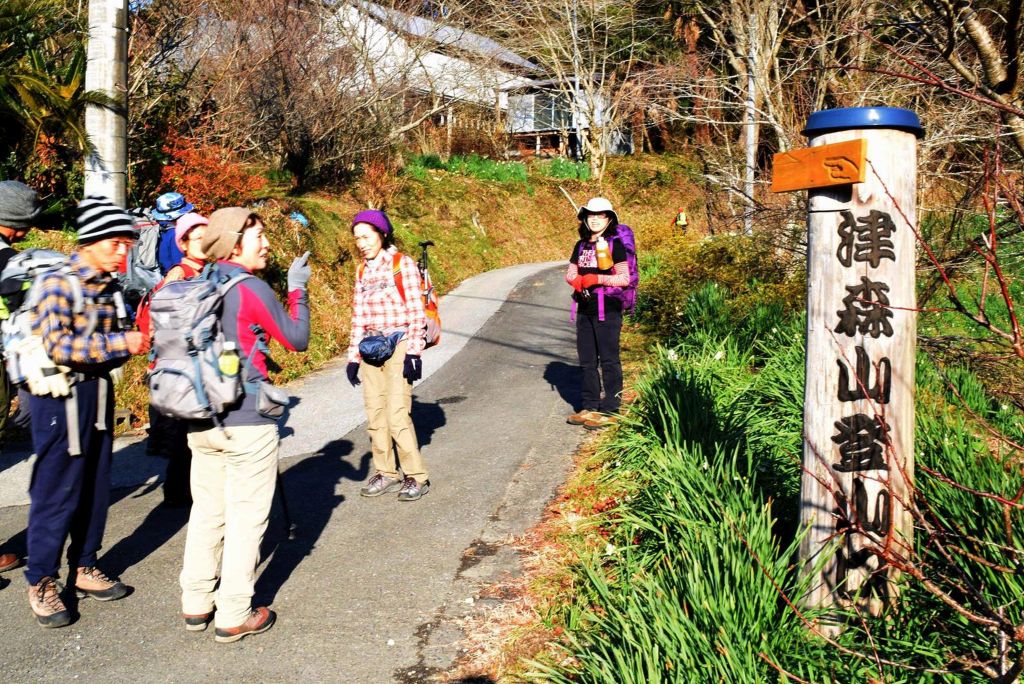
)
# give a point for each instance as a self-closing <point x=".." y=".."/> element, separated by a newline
<point x="209" y="175"/>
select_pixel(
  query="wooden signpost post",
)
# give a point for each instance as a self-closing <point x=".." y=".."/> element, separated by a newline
<point x="858" y="461"/>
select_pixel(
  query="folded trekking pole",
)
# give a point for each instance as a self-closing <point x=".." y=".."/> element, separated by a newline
<point x="423" y="255"/>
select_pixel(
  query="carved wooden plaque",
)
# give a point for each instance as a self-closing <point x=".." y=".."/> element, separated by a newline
<point x="820" y="167"/>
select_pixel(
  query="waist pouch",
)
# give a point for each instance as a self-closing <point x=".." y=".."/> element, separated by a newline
<point x="271" y="401"/>
<point x="376" y="347"/>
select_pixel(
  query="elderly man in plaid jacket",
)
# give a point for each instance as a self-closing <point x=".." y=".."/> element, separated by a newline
<point x="73" y="435"/>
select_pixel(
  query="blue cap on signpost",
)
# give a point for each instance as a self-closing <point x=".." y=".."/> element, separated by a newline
<point x="832" y="120"/>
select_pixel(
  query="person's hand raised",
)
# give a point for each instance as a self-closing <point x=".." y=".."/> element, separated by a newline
<point x="299" y="273"/>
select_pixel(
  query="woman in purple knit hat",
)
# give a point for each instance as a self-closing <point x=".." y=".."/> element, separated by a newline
<point x="387" y="311"/>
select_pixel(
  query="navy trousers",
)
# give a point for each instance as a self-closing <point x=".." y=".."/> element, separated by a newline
<point x="597" y="344"/>
<point x="69" y="494"/>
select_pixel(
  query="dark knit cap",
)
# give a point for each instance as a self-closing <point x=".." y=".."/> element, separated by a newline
<point x="97" y="218"/>
<point x="377" y="219"/>
<point x="19" y="205"/>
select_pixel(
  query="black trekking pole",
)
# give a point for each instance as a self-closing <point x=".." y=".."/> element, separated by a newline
<point x="289" y="526"/>
<point x="423" y="255"/>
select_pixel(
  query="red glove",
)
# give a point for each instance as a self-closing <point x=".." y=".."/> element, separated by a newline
<point x="577" y="283"/>
<point x="589" y="280"/>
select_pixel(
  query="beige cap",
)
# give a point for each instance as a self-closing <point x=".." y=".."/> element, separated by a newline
<point x="224" y="231"/>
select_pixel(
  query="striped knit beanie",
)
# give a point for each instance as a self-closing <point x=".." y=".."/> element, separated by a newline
<point x="97" y="218"/>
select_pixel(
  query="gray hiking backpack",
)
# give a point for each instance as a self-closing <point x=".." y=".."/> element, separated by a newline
<point x="26" y="361"/>
<point x="186" y="380"/>
<point x="142" y="269"/>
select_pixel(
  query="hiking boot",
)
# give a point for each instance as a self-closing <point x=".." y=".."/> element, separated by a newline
<point x="260" y="620"/>
<point x="381" y="484"/>
<point x="412" y="490"/>
<point x="44" y="600"/>
<point x="197" y="623"/>
<point x="599" y="421"/>
<point x="581" y="418"/>
<point x="9" y="561"/>
<point x="92" y="583"/>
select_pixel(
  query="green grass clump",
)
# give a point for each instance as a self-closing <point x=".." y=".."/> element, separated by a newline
<point x="560" y="168"/>
<point x="691" y="582"/>
<point x="472" y="165"/>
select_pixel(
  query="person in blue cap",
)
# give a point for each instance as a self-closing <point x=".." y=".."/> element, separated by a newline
<point x="170" y="207"/>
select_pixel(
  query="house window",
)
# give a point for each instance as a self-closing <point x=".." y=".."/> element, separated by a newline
<point x="551" y="111"/>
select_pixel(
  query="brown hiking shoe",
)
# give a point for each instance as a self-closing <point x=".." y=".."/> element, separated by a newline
<point x="599" y="421"/>
<point x="260" y="620"/>
<point x="91" y="582"/>
<point x="581" y="418"/>
<point x="44" y="600"/>
<point x="197" y="623"/>
<point x="9" y="561"/>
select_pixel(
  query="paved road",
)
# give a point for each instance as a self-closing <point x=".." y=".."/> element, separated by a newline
<point x="370" y="590"/>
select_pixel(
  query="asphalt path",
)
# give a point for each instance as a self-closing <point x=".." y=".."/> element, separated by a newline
<point x="369" y="590"/>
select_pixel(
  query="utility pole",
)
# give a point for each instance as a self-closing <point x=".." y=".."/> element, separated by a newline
<point x="106" y="164"/>
<point x="750" y="122"/>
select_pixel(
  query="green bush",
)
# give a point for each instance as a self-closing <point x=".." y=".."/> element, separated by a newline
<point x="761" y="287"/>
<point x="488" y="169"/>
<point x="688" y="588"/>
<point x="428" y="161"/>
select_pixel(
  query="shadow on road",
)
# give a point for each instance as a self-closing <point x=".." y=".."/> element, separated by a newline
<point x="567" y="380"/>
<point x="309" y="486"/>
<point x="16" y="446"/>
<point x="428" y="416"/>
<point x="156" y="529"/>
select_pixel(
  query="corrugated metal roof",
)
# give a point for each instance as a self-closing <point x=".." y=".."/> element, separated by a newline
<point x="447" y="35"/>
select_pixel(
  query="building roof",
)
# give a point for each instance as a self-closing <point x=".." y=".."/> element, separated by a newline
<point x="446" y="35"/>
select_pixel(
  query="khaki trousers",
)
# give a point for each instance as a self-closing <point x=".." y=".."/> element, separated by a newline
<point x="234" y="472"/>
<point x="388" y="399"/>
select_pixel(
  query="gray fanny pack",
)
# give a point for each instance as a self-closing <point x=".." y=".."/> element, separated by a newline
<point x="271" y="401"/>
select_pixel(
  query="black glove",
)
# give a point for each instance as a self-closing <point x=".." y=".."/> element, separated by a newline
<point x="352" y="371"/>
<point x="413" y="369"/>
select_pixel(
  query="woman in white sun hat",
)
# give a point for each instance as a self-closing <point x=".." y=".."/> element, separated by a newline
<point x="599" y="274"/>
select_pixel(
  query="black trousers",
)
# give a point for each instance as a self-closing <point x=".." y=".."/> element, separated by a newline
<point x="169" y="436"/>
<point x="597" y="344"/>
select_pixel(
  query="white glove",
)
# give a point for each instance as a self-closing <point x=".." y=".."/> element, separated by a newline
<point x="42" y="376"/>
<point x="28" y="364"/>
<point x="58" y="383"/>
